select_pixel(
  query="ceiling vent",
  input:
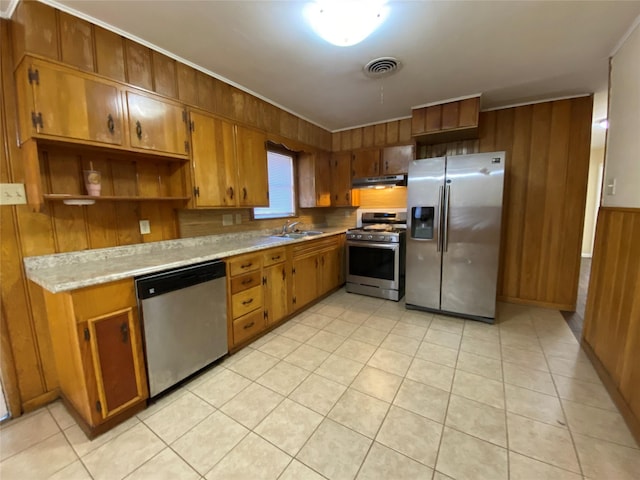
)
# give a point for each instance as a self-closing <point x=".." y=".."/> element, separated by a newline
<point x="381" y="67"/>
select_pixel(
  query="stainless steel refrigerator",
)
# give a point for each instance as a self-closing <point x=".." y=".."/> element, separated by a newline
<point x="453" y="234"/>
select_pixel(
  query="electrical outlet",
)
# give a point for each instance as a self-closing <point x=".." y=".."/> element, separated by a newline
<point x="227" y="219"/>
<point x="238" y="218"/>
<point x="12" y="194"/>
<point x="145" y="227"/>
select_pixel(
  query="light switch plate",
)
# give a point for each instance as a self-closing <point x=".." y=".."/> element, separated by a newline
<point x="238" y="218"/>
<point x="227" y="219"/>
<point x="12" y="194"/>
<point x="145" y="227"/>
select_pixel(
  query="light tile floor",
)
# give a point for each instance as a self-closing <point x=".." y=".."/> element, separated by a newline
<point x="360" y="388"/>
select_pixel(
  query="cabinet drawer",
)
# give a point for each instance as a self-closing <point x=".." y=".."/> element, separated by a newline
<point x="249" y="263"/>
<point x="271" y="257"/>
<point x="245" y="302"/>
<point x="244" y="282"/>
<point x="314" y="246"/>
<point x="247" y="326"/>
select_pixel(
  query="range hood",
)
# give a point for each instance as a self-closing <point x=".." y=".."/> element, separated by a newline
<point x="380" y="182"/>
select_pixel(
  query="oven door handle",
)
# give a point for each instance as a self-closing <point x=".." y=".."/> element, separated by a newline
<point x="387" y="246"/>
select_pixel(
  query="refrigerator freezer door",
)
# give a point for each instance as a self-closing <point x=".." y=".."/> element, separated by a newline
<point x="474" y="186"/>
<point x="424" y="190"/>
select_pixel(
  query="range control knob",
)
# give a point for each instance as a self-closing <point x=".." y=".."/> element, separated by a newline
<point x="358" y="236"/>
<point x="369" y="237"/>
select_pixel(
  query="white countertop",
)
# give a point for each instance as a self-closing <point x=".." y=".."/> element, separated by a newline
<point x="69" y="271"/>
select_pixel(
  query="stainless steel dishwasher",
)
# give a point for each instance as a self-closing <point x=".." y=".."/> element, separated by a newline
<point x="184" y="320"/>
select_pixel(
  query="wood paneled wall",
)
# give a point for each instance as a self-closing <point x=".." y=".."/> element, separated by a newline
<point x="42" y="30"/>
<point x="379" y="135"/>
<point x="612" y="317"/>
<point x="547" y="146"/>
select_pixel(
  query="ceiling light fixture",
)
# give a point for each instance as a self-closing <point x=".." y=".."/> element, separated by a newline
<point x="345" y="22"/>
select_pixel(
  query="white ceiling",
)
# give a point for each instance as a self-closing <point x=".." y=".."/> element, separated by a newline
<point x="511" y="52"/>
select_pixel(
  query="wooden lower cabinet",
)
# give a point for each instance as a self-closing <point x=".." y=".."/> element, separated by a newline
<point x="305" y="280"/>
<point x="247" y="326"/>
<point x="317" y="269"/>
<point x="97" y="346"/>
<point x="258" y="293"/>
<point x="276" y="285"/>
<point x="289" y="278"/>
<point x="329" y="269"/>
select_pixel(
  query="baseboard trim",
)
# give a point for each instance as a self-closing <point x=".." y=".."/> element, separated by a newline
<point x="536" y="303"/>
<point x="40" y="401"/>
<point x="630" y="418"/>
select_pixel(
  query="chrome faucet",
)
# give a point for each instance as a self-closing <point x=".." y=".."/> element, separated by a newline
<point x="286" y="228"/>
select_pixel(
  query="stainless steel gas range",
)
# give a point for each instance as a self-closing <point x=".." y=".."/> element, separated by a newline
<point x="376" y="255"/>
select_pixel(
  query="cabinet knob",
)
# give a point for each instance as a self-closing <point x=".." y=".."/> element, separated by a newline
<point x="247" y="302"/>
<point x="139" y="130"/>
<point x="244" y="193"/>
<point x="110" y="124"/>
<point x="230" y="192"/>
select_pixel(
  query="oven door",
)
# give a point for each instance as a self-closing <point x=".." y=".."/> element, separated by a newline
<point x="374" y="264"/>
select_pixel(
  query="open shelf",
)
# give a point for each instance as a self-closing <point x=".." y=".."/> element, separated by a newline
<point x="64" y="196"/>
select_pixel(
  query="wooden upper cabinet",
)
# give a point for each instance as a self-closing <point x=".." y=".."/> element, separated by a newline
<point x="341" y="195"/>
<point x="395" y="160"/>
<point x="214" y="165"/>
<point x="109" y="54"/>
<point x="164" y="75"/>
<point x="156" y="124"/>
<point x="314" y="180"/>
<point x="251" y="157"/>
<point x="68" y="105"/>
<point x="365" y="163"/>
<point x="468" y="112"/>
<point x="457" y="120"/>
<point x="76" y="42"/>
<point x="138" y="65"/>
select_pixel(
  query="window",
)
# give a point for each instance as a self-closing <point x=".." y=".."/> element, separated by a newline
<point x="281" y="191"/>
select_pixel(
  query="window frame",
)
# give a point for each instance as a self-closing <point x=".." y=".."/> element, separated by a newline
<point x="281" y="150"/>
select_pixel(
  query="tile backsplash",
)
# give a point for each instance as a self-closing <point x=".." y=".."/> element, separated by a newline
<point x="195" y="223"/>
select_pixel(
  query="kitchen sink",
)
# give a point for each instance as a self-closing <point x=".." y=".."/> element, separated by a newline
<point x="307" y="233"/>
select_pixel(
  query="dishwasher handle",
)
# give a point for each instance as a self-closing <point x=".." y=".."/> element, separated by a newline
<point x="154" y="284"/>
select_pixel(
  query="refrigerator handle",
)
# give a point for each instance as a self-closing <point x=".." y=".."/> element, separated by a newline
<point x="440" y="207"/>
<point x="445" y="219"/>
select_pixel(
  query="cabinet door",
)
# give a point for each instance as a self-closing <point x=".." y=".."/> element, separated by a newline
<point x="314" y="180"/>
<point x="305" y="280"/>
<point x="323" y="179"/>
<point x="213" y="154"/>
<point x="330" y="266"/>
<point x="275" y="295"/>
<point x="395" y="160"/>
<point x="468" y="112"/>
<point x="251" y="157"/>
<point x="341" y="179"/>
<point x="155" y="124"/>
<point x="75" y="105"/>
<point x="365" y="163"/>
<point x="117" y="360"/>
